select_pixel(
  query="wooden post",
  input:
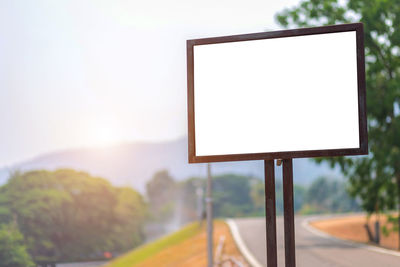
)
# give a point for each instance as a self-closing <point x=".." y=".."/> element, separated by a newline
<point x="288" y="213"/>
<point x="270" y="212"/>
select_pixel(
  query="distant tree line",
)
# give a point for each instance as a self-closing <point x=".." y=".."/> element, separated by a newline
<point x="240" y="196"/>
<point x="66" y="215"/>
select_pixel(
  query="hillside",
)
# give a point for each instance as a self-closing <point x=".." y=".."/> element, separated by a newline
<point x="134" y="164"/>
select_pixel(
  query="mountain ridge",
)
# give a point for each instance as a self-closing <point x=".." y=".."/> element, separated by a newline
<point x="133" y="164"/>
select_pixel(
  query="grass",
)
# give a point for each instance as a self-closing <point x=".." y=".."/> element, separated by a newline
<point x="186" y="247"/>
<point x="144" y="252"/>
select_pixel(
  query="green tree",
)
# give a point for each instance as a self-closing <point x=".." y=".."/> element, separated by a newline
<point x="298" y="194"/>
<point x="258" y="196"/>
<point x="191" y="194"/>
<point x="130" y="214"/>
<point x="231" y="196"/>
<point x="329" y="195"/>
<point x="375" y="178"/>
<point x="161" y="192"/>
<point x="70" y="215"/>
<point x="12" y="248"/>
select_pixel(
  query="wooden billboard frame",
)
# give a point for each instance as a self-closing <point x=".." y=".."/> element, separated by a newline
<point x="362" y="120"/>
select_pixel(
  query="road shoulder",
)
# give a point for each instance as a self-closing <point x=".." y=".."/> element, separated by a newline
<point x="306" y="225"/>
<point x="241" y="245"/>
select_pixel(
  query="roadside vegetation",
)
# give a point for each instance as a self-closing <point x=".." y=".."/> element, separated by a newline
<point x="66" y="215"/>
<point x="186" y="247"/>
<point x="150" y="250"/>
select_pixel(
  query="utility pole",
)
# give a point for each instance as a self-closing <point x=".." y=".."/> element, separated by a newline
<point x="200" y="195"/>
<point x="209" y="218"/>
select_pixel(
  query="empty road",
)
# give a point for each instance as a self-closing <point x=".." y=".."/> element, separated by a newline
<point x="312" y="250"/>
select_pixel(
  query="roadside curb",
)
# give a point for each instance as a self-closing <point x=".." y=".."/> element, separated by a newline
<point x="241" y="245"/>
<point x="306" y="224"/>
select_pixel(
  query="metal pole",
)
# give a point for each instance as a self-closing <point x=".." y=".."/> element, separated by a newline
<point x="270" y="212"/>
<point x="209" y="218"/>
<point x="288" y="213"/>
<point x="199" y="193"/>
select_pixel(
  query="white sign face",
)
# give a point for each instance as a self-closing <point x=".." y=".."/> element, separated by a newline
<point x="294" y="93"/>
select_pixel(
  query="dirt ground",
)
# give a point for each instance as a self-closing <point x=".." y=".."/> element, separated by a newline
<point x="193" y="252"/>
<point x="352" y="228"/>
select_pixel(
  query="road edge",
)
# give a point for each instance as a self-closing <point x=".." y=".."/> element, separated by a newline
<point x="241" y="245"/>
<point x="306" y="225"/>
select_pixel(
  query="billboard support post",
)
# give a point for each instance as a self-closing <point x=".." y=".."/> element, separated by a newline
<point x="288" y="212"/>
<point x="270" y="213"/>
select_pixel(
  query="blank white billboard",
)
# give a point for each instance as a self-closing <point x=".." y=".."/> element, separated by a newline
<point x="295" y="93"/>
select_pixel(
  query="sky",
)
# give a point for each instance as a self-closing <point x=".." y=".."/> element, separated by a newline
<point x="82" y="73"/>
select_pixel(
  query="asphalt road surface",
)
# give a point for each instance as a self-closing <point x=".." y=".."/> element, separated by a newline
<point x="312" y="250"/>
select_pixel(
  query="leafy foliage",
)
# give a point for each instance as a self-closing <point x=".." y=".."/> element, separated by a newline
<point x="324" y="195"/>
<point x="299" y="193"/>
<point x="191" y="194"/>
<point x="240" y="196"/>
<point x="328" y="195"/>
<point x="70" y="215"/>
<point x="12" y="248"/>
<point x="231" y="196"/>
<point x="161" y="191"/>
<point x="258" y="196"/>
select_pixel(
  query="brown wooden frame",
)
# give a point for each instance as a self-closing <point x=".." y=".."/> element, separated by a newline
<point x="363" y="136"/>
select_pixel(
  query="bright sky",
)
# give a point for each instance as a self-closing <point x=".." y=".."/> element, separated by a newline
<point x="81" y="73"/>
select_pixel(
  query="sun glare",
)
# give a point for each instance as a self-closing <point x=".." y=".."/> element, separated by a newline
<point x="103" y="135"/>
